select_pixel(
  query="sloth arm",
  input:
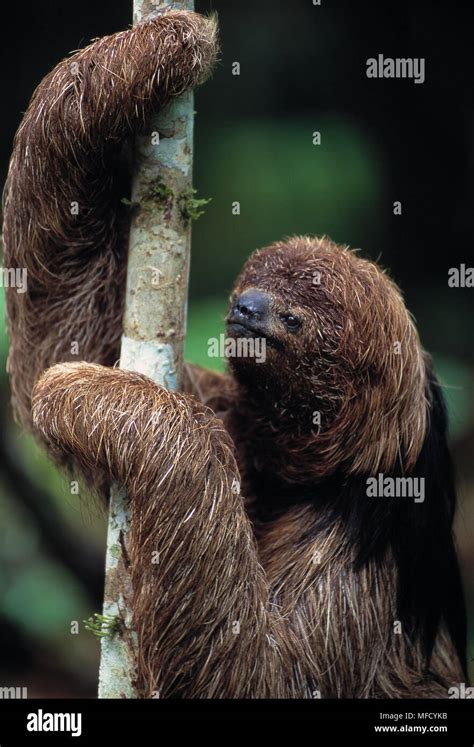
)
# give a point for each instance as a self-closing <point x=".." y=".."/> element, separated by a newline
<point x="202" y="613"/>
<point x="69" y="151"/>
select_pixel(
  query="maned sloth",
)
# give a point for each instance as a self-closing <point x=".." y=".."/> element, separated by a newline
<point x="279" y="574"/>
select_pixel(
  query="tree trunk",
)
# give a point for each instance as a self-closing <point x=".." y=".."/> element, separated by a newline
<point x="154" y="324"/>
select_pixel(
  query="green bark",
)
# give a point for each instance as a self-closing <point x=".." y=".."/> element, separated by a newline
<point x="154" y="324"/>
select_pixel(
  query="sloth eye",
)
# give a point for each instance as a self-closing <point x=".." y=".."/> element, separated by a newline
<point x="290" y="321"/>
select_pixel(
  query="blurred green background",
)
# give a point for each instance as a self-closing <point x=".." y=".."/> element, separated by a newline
<point x="302" y="70"/>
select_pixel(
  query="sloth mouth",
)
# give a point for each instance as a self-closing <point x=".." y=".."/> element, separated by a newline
<point x="247" y="329"/>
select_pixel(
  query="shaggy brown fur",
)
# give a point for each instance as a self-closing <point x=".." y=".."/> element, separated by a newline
<point x="293" y="589"/>
<point x="67" y="150"/>
<point x="307" y="622"/>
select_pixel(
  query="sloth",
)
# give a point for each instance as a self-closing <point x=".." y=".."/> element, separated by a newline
<point x="280" y="575"/>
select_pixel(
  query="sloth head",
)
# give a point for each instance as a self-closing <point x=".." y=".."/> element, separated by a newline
<point x="341" y="360"/>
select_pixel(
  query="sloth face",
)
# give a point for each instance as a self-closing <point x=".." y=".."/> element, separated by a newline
<point x="284" y="301"/>
<point x="321" y="310"/>
<point x="339" y="341"/>
<point x="256" y="313"/>
<point x="273" y="335"/>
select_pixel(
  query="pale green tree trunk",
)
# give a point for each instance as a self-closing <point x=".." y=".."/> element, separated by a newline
<point x="154" y="325"/>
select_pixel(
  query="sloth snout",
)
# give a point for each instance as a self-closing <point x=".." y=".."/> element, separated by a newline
<point x="251" y="305"/>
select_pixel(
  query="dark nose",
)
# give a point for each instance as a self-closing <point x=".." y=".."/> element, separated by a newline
<point x="251" y="305"/>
